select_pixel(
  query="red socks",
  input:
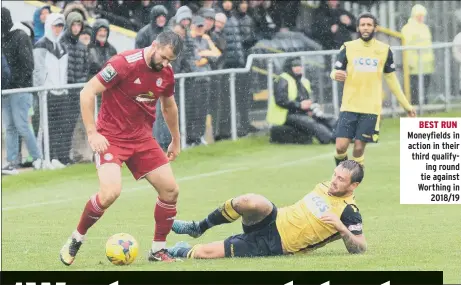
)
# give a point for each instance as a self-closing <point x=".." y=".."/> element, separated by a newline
<point x="164" y="214"/>
<point x="91" y="214"/>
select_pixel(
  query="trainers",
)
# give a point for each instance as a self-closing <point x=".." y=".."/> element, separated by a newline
<point x="184" y="227"/>
<point x="57" y="164"/>
<point x="69" y="250"/>
<point x="37" y="164"/>
<point x="10" y="169"/>
<point x="177" y="248"/>
<point x="161" y="255"/>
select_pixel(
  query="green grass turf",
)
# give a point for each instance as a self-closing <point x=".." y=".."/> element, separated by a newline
<point x="41" y="209"/>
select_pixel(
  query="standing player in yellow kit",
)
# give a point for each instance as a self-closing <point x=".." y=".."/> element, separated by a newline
<point x="361" y="64"/>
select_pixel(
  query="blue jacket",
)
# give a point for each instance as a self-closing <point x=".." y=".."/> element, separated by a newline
<point x="39" y="27"/>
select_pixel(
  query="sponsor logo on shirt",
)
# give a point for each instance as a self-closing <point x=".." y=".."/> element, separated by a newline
<point x="149" y="97"/>
<point x="108" y="73"/>
<point x="366" y="64"/>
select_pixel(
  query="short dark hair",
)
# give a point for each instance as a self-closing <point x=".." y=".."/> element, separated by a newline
<point x="367" y="15"/>
<point x="354" y="168"/>
<point x="170" y="38"/>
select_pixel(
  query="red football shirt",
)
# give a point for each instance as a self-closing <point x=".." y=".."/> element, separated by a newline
<point x="127" y="112"/>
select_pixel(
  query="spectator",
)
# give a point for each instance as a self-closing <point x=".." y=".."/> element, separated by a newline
<point x="18" y="57"/>
<point x="90" y="6"/>
<point x="209" y="15"/>
<point x="142" y="14"/>
<point x="333" y="25"/>
<point x="234" y="58"/>
<point x="285" y="13"/>
<point x="294" y="107"/>
<point x="85" y="35"/>
<point x="100" y="50"/>
<point x="265" y="27"/>
<point x="184" y="18"/>
<point x="28" y="28"/>
<point x="218" y="38"/>
<point x="6" y="73"/>
<point x="118" y="13"/>
<point x="417" y="33"/>
<point x="205" y="52"/>
<point x="246" y="27"/>
<point x="148" y="33"/>
<point x="78" y="7"/>
<point x="51" y="62"/>
<point x="77" y="72"/>
<point x="40" y="16"/>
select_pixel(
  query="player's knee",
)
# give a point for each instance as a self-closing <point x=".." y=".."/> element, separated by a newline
<point x="170" y="193"/>
<point x="203" y="252"/>
<point x="109" y="194"/>
<point x="359" y="147"/>
<point x="248" y="202"/>
<point x="341" y="148"/>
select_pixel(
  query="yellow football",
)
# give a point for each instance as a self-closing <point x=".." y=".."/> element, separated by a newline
<point x="122" y="249"/>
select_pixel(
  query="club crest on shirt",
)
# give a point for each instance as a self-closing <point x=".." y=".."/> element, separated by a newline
<point x="146" y="97"/>
<point x="108" y="73"/>
<point x="159" y="82"/>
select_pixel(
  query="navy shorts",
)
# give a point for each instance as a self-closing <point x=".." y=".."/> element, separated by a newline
<point x="363" y="127"/>
<point x="261" y="239"/>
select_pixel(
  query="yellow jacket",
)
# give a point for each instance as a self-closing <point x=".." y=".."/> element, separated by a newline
<point x="418" y="34"/>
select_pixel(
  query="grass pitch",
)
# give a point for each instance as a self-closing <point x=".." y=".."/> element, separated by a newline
<point x="41" y="209"/>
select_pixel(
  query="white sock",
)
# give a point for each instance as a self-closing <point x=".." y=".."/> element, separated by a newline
<point x="78" y="236"/>
<point x="158" y="245"/>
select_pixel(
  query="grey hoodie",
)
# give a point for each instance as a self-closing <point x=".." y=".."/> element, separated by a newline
<point x="51" y="58"/>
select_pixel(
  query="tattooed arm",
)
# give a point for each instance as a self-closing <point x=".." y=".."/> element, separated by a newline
<point x="355" y="244"/>
<point x="349" y="227"/>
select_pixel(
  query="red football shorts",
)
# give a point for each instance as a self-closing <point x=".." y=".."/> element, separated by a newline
<point x="140" y="158"/>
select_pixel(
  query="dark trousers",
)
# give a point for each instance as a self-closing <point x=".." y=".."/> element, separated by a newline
<point x="320" y="128"/>
<point x="196" y="108"/>
<point x="415" y="89"/>
<point x="243" y="104"/>
<point x="63" y="112"/>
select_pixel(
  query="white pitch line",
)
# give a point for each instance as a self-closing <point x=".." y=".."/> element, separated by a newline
<point x="130" y="190"/>
<point x="193" y="177"/>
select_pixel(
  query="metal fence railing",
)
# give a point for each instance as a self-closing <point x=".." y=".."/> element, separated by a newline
<point x="444" y="89"/>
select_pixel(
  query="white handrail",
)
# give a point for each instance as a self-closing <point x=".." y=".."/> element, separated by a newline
<point x="247" y="67"/>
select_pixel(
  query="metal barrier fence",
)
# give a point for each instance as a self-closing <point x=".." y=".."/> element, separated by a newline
<point x="445" y="86"/>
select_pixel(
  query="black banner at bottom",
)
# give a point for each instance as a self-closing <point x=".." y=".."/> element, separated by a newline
<point x="227" y="277"/>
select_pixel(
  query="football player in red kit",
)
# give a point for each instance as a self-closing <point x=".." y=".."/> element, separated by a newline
<point x="131" y="83"/>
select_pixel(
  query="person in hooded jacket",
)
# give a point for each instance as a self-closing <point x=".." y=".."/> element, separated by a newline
<point x="293" y="106"/>
<point x="417" y="33"/>
<point x="100" y="50"/>
<point x="40" y="16"/>
<point x="333" y="25"/>
<point x="149" y="32"/>
<point x="18" y="55"/>
<point x="142" y="14"/>
<point x="51" y="64"/>
<point x="77" y="72"/>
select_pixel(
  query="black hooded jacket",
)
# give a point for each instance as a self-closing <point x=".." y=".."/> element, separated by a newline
<point x="77" y="70"/>
<point x="99" y="53"/>
<point x="281" y="90"/>
<point x="234" y="54"/>
<point x="324" y="19"/>
<point x="18" y="50"/>
<point x="149" y="32"/>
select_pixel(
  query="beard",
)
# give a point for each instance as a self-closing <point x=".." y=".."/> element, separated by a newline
<point x="155" y="66"/>
<point x="370" y="36"/>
